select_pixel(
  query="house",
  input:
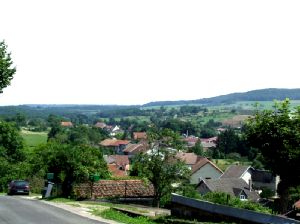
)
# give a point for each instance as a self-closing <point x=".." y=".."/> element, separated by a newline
<point x="118" y="165"/>
<point x="208" y="143"/>
<point x="295" y="212"/>
<point x="116" y="130"/>
<point x="297" y="205"/>
<point x="238" y="172"/>
<point x="117" y="145"/>
<point x="100" y="125"/>
<point x="139" y="135"/>
<point x="201" y="167"/>
<point x="191" y="140"/>
<point x="66" y="124"/>
<point x="209" y="140"/>
<point x="232" y="186"/>
<point x="133" y="149"/>
<point x="259" y="178"/>
<point x="189" y="158"/>
<point x="204" y="169"/>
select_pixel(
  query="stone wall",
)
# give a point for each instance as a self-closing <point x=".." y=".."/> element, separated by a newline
<point x="113" y="189"/>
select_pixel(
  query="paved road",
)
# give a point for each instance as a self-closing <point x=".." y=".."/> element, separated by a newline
<point x="17" y="210"/>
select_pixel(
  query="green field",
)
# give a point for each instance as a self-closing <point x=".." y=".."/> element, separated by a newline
<point x="33" y="139"/>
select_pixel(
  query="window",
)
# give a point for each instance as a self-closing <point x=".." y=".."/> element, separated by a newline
<point x="242" y="197"/>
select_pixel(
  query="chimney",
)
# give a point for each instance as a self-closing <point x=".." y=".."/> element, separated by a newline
<point x="250" y="184"/>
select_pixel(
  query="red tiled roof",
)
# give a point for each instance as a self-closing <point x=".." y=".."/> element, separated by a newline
<point x="297" y="205"/>
<point x="139" y="135"/>
<point x="66" y="124"/>
<point x="191" y="139"/>
<point x="120" y="160"/>
<point x="208" y="140"/>
<point x="113" y="142"/>
<point x="100" y="125"/>
<point x="189" y="158"/>
<point x="135" y="148"/>
<point x="115" y="171"/>
<point x="208" y="144"/>
<point x="203" y="161"/>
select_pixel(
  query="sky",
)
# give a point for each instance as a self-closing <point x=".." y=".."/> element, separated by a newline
<point x="134" y="52"/>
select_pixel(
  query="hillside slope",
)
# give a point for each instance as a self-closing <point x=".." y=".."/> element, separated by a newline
<point x="254" y="95"/>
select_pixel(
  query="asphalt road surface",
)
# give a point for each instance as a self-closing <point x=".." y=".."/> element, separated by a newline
<point x="17" y="210"/>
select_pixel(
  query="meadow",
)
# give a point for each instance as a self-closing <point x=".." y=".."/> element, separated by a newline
<point x="33" y="139"/>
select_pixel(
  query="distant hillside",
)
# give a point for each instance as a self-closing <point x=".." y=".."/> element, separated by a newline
<point x="254" y="95"/>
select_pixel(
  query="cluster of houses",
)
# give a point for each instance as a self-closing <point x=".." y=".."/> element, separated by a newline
<point x="243" y="182"/>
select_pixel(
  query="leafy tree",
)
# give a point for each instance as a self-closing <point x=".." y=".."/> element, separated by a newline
<point x="6" y="67"/>
<point x="79" y="135"/>
<point x="165" y="137"/>
<point x="11" y="143"/>
<point x="37" y="124"/>
<point x="70" y="164"/>
<point x="86" y="135"/>
<point x="12" y="154"/>
<point x="207" y="133"/>
<point x="212" y="124"/>
<point x="162" y="169"/>
<point x="227" y="141"/>
<point x="56" y="131"/>
<point x="198" y="148"/>
<point x="160" y="166"/>
<point x="276" y="133"/>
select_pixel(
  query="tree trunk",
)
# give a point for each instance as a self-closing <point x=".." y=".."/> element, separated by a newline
<point x="283" y="191"/>
<point x="156" y="198"/>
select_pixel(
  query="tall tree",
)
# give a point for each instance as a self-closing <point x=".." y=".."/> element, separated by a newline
<point x="69" y="163"/>
<point x="11" y="143"/>
<point x="162" y="169"/>
<point x="12" y="154"/>
<point x="276" y="133"/>
<point x="7" y="70"/>
<point x="160" y="166"/>
<point x="227" y="141"/>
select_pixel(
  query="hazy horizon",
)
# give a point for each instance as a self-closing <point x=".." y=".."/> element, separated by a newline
<point x="136" y="52"/>
<point x="83" y="104"/>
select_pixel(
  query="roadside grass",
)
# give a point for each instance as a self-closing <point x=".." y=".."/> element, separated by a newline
<point x="124" y="218"/>
<point x="60" y="200"/>
<point x="121" y="217"/>
<point x="106" y="210"/>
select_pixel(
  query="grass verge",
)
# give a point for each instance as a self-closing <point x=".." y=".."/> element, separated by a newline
<point x="121" y="217"/>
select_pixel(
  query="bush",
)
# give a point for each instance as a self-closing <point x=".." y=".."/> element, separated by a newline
<point x="234" y="156"/>
<point x="225" y="199"/>
<point x="267" y="193"/>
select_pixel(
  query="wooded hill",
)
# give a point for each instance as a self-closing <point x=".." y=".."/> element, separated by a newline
<point x="254" y="95"/>
<point x="107" y="111"/>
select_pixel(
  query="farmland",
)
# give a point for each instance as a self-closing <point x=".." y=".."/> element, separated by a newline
<point x="33" y="139"/>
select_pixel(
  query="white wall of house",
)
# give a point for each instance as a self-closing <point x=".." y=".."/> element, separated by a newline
<point x="206" y="171"/>
<point x="246" y="176"/>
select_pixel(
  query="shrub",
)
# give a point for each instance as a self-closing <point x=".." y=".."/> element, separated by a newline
<point x="225" y="199"/>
